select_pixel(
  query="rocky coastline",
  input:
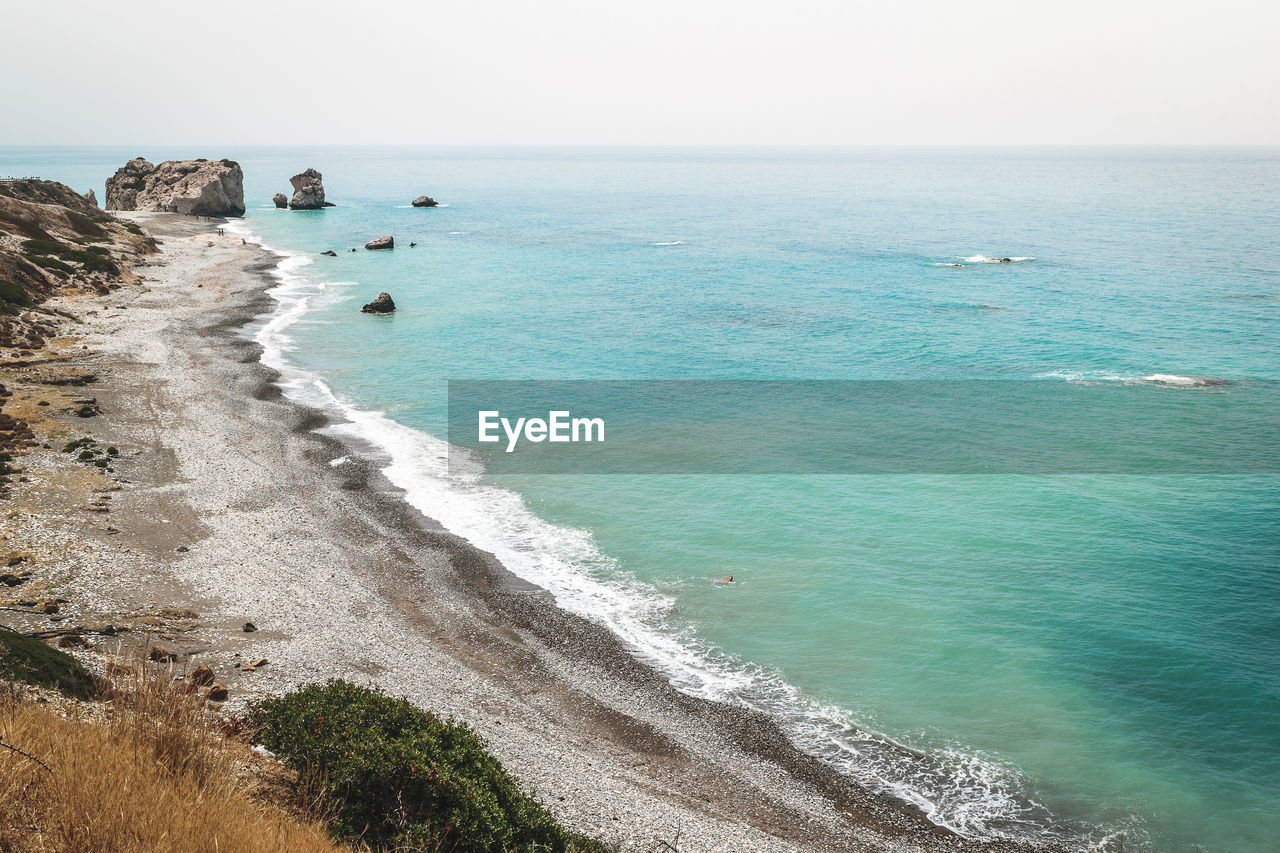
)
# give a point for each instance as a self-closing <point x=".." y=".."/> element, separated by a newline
<point x="222" y="506"/>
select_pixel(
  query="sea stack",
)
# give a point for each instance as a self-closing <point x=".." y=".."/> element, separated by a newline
<point x="200" y="187"/>
<point x="382" y="305"/>
<point x="308" y="191"/>
<point x="281" y="200"/>
<point x="387" y="242"/>
<point x="424" y="201"/>
<point x="91" y="198"/>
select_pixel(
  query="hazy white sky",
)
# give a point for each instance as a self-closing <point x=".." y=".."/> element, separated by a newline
<point x="654" y="72"/>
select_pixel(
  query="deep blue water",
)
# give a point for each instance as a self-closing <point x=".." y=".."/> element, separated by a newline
<point x="1087" y="655"/>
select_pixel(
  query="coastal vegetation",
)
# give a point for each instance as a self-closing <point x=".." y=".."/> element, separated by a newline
<point x="26" y="659"/>
<point x="12" y="297"/>
<point x="148" y="769"/>
<point x="91" y="259"/>
<point x="152" y="765"/>
<point x="401" y="778"/>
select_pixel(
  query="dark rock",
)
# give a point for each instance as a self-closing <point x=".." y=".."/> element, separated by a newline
<point x="331" y="253"/>
<point x="72" y="641"/>
<point x="424" y="201"/>
<point x="201" y="675"/>
<point x="308" y="191"/>
<point x="163" y="654"/>
<point x="182" y="549"/>
<point x="218" y="692"/>
<point x="382" y="305"/>
<point x="281" y="200"/>
<point x="249" y="627"/>
<point x="47" y="606"/>
<point x="411" y="245"/>
<point x="387" y="242"/>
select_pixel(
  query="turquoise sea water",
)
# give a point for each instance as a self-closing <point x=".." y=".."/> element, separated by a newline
<point x="1096" y="656"/>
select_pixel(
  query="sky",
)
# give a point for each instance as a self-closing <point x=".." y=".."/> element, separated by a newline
<point x="616" y="72"/>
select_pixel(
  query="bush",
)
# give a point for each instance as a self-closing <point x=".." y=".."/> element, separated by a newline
<point x="397" y="776"/>
<point x="24" y="658"/>
<point x="93" y="259"/>
<point x="52" y="264"/>
<point x="13" y="293"/>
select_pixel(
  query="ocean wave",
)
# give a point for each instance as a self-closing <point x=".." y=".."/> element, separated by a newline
<point x="983" y="259"/>
<point x="972" y="794"/>
<point x="1171" y="379"/>
<point x="669" y="243"/>
<point x="1186" y="381"/>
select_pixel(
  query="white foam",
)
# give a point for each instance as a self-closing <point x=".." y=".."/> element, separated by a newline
<point x="1185" y="381"/>
<point x="1172" y="379"/>
<point x="969" y="793"/>
<point x="671" y="243"/>
<point x="1087" y="376"/>
<point x="983" y="259"/>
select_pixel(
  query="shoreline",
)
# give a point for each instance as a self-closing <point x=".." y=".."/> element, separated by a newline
<point x="343" y="578"/>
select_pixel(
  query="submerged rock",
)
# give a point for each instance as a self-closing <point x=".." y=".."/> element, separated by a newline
<point x="331" y="253"/>
<point x="281" y="200"/>
<point x="387" y="242"/>
<point x="199" y="187"/>
<point x="424" y="201"/>
<point x="308" y="191"/>
<point x="382" y="305"/>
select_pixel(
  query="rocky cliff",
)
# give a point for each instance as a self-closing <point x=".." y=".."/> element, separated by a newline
<point x="53" y="241"/>
<point x="203" y="187"/>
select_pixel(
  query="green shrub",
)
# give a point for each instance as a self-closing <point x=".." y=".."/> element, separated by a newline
<point x="44" y="247"/>
<point x="24" y="658"/>
<point x="92" y="259"/>
<point x="13" y="293"/>
<point x="397" y="776"/>
<point x="52" y="264"/>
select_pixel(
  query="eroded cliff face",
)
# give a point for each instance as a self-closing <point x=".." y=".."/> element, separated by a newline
<point x="54" y="242"/>
<point x="202" y="187"/>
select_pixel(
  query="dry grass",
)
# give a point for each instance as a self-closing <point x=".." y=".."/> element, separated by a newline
<point x="146" y="771"/>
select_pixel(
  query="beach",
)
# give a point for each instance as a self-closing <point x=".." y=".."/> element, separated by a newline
<point x="226" y="507"/>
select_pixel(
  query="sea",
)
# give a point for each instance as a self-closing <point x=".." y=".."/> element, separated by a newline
<point x="1092" y="657"/>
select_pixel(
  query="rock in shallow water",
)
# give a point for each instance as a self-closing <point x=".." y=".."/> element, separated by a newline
<point x="382" y="305"/>
<point x="281" y="200"/>
<point x="308" y="191"/>
<point x="387" y="242"/>
<point x="424" y="201"/>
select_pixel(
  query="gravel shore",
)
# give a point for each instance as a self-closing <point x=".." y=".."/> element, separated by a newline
<point x="222" y="508"/>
